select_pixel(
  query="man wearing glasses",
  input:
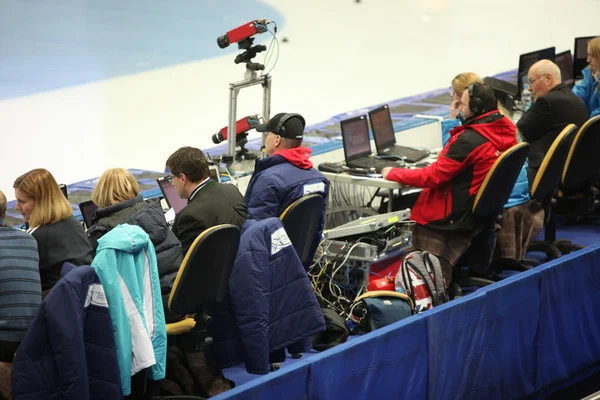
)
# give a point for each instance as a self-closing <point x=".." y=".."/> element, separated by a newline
<point x="210" y="203"/>
<point x="554" y="107"/>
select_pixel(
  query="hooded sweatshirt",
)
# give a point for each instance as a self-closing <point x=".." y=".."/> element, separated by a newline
<point x="451" y="183"/>
<point x="126" y="265"/>
<point x="281" y="179"/>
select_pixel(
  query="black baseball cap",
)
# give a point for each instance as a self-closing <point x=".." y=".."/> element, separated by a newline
<point x="291" y="128"/>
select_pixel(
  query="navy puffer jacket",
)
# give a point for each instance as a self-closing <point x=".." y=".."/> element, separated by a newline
<point x="273" y="302"/>
<point x="69" y="350"/>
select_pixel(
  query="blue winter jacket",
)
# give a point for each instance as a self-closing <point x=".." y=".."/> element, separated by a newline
<point x="126" y="265"/>
<point x="520" y="192"/>
<point x="589" y="91"/>
<point x="281" y="179"/>
<point x="69" y="351"/>
<point x="273" y="303"/>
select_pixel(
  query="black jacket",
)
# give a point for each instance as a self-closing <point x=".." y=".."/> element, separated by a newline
<point x="149" y="216"/>
<point x="64" y="241"/>
<point x="214" y="204"/>
<point x="546" y="118"/>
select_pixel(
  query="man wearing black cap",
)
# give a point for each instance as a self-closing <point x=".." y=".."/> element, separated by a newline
<point x="287" y="174"/>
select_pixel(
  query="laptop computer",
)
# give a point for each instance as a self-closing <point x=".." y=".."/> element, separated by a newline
<point x="170" y="194"/>
<point x="213" y="172"/>
<point x="385" y="140"/>
<point x="357" y="146"/>
<point x="87" y="209"/>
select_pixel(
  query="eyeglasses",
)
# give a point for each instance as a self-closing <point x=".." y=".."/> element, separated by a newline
<point x="532" y="81"/>
<point x="169" y="178"/>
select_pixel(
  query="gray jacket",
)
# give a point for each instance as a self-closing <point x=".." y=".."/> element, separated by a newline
<point x="149" y="216"/>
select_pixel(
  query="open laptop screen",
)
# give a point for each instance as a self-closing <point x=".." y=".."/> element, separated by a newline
<point x="355" y="135"/>
<point x="383" y="129"/>
<point x="170" y="194"/>
<point x="87" y="209"/>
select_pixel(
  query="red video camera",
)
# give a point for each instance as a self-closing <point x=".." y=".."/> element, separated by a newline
<point x="241" y="126"/>
<point x="243" y="32"/>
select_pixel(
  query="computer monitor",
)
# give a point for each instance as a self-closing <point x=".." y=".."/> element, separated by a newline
<point x="213" y="172"/>
<point x="527" y="60"/>
<point x="564" y="61"/>
<point x="170" y="194"/>
<point x="383" y="128"/>
<point x="63" y="189"/>
<point x="505" y="92"/>
<point x="87" y="209"/>
<point x="355" y="135"/>
<point x="580" y="56"/>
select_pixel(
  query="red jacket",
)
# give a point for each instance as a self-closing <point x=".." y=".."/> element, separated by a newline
<point x="451" y="182"/>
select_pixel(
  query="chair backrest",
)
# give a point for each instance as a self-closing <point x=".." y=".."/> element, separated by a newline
<point x="205" y="270"/>
<point x="499" y="182"/>
<point x="300" y="221"/>
<point x="583" y="162"/>
<point x="549" y="174"/>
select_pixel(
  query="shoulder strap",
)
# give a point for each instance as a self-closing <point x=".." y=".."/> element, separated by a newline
<point x="438" y="276"/>
<point x="386" y="293"/>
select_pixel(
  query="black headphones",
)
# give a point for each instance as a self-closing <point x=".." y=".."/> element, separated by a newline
<point x="475" y="103"/>
<point x="280" y="128"/>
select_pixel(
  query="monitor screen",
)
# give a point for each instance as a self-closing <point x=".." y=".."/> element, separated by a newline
<point x="528" y="59"/>
<point x="171" y="196"/>
<point x="580" y="56"/>
<point x="63" y="189"/>
<point x="383" y="129"/>
<point x="355" y="135"/>
<point x="213" y="172"/>
<point x="564" y="61"/>
<point x="87" y="209"/>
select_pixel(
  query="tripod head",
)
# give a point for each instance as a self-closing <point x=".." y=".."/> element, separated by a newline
<point x="249" y="53"/>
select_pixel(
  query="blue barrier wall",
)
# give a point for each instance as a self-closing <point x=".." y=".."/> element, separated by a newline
<point x="523" y="337"/>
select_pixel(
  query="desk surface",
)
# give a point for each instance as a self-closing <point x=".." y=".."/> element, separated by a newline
<point x="361" y="180"/>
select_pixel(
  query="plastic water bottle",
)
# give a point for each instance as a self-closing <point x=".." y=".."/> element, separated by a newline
<point x="525" y="98"/>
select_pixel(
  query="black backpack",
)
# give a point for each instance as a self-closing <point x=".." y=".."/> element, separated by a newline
<point x="335" y="331"/>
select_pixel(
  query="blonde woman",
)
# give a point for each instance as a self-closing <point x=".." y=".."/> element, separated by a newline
<point x="589" y="89"/>
<point x="60" y="237"/>
<point x="117" y="196"/>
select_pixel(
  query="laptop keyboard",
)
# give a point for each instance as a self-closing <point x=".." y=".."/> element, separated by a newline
<point x="410" y="154"/>
<point x="372" y="163"/>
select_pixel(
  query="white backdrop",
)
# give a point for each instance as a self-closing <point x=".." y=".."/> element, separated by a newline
<point x="341" y="55"/>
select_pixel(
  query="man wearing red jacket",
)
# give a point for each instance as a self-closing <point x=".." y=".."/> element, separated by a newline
<point x="445" y="223"/>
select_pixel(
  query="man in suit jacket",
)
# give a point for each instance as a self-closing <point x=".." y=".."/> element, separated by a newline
<point x="554" y="107"/>
<point x="210" y="203"/>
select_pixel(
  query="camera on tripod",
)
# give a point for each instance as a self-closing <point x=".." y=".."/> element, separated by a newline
<point x="244" y="37"/>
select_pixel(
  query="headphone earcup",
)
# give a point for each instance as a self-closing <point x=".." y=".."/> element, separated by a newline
<point x="475" y="104"/>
